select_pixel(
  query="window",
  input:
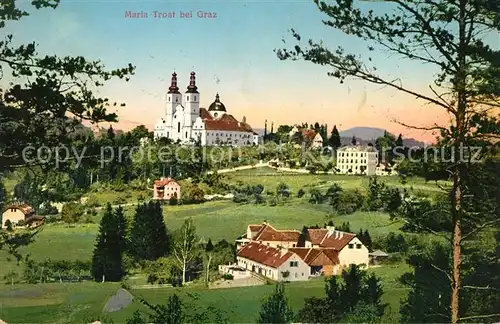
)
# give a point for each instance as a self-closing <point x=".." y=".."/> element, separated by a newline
<point x="168" y="98"/>
<point x="178" y="127"/>
<point x="296" y="274"/>
<point x="176" y="99"/>
<point x="351" y="246"/>
<point x="358" y="246"/>
<point x="293" y="245"/>
<point x="187" y="98"/>
<point x="194" y="98"/>
<point x="186" y="134"/>
<point x="294" y="263"/>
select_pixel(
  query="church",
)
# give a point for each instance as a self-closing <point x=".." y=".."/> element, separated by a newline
<point x="185" y="122"/>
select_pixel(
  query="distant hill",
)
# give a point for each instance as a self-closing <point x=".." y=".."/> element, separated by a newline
<point x="366" y="135"/>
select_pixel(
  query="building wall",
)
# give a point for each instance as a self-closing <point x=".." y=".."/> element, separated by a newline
<point x="256" y="267"/>
<point x="12" y="214"/>
<point x="354" y="160"/>
<point x="300" y="272"/>
<point x="169" y="190"/>
<point x="351" y="254"/>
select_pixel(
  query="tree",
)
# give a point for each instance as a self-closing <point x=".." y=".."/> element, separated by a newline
<point x="107" y="260"/>
<point x="47" y="95"/>
<point x="185" y="246"/>
<point x="149" y="238"/>
<point x="353" y="140"/>
<point x="72" y="213"/>
<point x="334" y="140"/>
<point x="449" y="36"/>
<point x="209" y="249"/>
<point x="276" y="309"/>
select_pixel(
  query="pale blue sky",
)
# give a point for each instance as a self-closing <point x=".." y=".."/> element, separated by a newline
<point x="236" y="48"/>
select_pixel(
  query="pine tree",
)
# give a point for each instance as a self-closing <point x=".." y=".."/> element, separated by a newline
<point x="399" y="141"/>
<point x="334" y="140"/>
<point x="372" y="294"/>
<point x="149" y="237"/>
<point x="107" y="264"/>
<point x="353" y="140"/>
<point x="367" y="240"/>
<point x="276" y="309"/>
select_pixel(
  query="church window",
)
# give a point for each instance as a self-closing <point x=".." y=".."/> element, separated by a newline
<point x="176" y="99"/>
<point x="178" y="127"/>
<point x="188" y="98"/>
<point x="168" y="98"/>
<point x="186" y="134"/>
<point x="194" y="98"/>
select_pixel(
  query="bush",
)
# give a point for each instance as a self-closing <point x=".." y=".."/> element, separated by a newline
<point x="120" y="200"/>
<point x="152" y="278"/>
<point x="272" y="202"/>
<point x="349" y="201"/>
<point x="300" y="193"/>
<point x="173" y="201"/>
<point x="228" y="276"/>
<point x="240" y="198"/>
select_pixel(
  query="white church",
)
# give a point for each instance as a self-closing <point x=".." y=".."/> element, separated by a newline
<point x="187" y="123"/>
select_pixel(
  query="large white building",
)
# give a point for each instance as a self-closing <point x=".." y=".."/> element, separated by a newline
<point x="186" y="122"/>
<point x="357" y="159"/>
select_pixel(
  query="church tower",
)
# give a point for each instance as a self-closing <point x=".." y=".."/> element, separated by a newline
<point x="191" y="106"/>
<point x="174" y="98"/>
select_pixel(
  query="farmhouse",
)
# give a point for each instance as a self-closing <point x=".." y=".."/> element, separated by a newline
<point x="166" y="188"/>
<point x="350" y="249"/>
<point x="20" y="215"/>
<point x="321" y="261"/>
<point x="267" y="235"/>
<point x="273" y="263"/>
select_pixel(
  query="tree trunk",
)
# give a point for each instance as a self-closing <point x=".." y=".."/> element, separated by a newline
<point x="208" y="269"/>
<point x="184" y="272"/>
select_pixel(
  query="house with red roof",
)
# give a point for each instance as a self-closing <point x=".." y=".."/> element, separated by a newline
<point x="321" y="261"/>
<point x="20" y="215"/>
<point x="272" y="262"/>
<point x="349" y="248"/>
<point x="166" y="188"/>
<point x="186" y="122"/>
<point x="267" y="235"/>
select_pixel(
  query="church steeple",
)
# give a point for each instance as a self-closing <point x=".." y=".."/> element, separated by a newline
<point x="173" y="84"/>
<point x="192" y="88"/>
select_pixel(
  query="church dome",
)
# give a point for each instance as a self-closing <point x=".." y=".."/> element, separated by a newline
<point x="217" y="105"/>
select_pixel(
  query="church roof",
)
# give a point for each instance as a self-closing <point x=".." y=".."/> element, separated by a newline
<point x="217" y="105"/>
<point x="225" y="123"/>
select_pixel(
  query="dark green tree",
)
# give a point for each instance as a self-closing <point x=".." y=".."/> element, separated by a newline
<point x="334" y="140"/>
<point x="149" y="238"/>
<point x="276" y="309"/>
<point x="353" y="140"/>
<point x="449" y="37"/>
<point x="107" y="260"/>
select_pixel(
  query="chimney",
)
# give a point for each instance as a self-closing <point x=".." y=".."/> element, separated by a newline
<point x="341" y="234"/>
<point x="330" y="228"/>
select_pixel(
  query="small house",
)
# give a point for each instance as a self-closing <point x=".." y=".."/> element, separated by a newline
<point x="20" y="215"/>
<point x="166" y="188"/>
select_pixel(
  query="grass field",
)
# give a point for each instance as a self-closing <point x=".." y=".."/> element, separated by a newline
<point x="80" y="303"/>
<point x="83" y="302"/>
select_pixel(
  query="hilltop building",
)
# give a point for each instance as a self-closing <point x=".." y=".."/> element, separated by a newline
<point x="355" y="159"/>
<point x="166" y="188"/>
<point x="185" y="122"/>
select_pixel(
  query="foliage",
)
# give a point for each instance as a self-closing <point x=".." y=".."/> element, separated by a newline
<point x="149" y="238"/>
<point x="346" y="297"/>
<point x="348" y="202"/>
<point x="72" y="213"/>
<point x="56" y="270"/>
<point x="111" y="244"/>
<point x="185" y="247"/>
<point x="276" y="309"/>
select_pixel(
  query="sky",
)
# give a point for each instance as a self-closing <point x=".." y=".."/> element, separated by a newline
<point x="233" y="55"/>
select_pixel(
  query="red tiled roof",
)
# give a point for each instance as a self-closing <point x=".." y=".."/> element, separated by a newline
<point x="24" y="208"/>
<point x="254" y="227"/>
<point x="309" y="133"/>
<point x="310" y="254"/>
<point x="266" y="255"/>
<point x="225" y="123"/>
<point x="204" y="114"/>
<point x="329" y="239"/>
<point x="269" y="233"/>
<point x="164" y="182"/>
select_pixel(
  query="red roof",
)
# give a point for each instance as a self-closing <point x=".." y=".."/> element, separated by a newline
<point x="311" y="254"/>
<point x="266" y="255"/>
<point x="309" y="133"/>
<point x="328" y="238"/>
<point x="254" y="227"/>
<point x="225" y="123"/>
<point x="269" y="233"/>
<point x="164" y="182"/>
<point x="24" y="208"/>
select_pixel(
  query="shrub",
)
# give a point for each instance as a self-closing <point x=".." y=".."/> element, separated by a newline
<point x="173" y="201"/>
<point x="349" y="201"/>
<point x="272" y="202"/>
<point x="240" y="198"/>
<point x="120" y="200"/>
<point x="152" y="278"/>
<point x="228" y="276"/>
<point x="300" y="193"/>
